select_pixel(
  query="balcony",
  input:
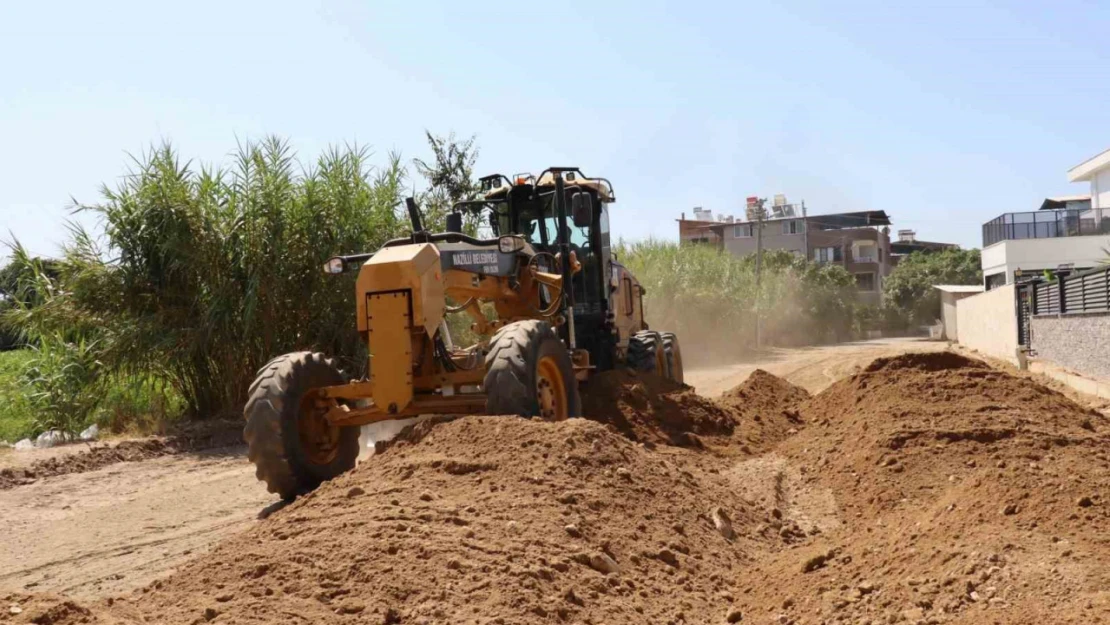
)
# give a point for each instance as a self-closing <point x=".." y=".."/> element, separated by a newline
<point x="1046" y="224"/>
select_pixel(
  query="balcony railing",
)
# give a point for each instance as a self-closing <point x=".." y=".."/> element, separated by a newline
<point x="1046" y="224"/>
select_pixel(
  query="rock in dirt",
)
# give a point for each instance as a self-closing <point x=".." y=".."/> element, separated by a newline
<point x="24" y="445"/>
<point x="722" y="522"/>
<point x="51" y="438"/>
<point x="90" y="433"/>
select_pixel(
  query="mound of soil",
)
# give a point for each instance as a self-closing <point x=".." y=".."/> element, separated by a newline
<point x="476" y="520"/>
<point x="652" y="410"/>
<point x="199" y="436"/>
<point x="965" y="495"/>
<point x="766" y="410"/>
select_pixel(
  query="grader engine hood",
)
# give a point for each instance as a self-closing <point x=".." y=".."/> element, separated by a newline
<point x="414" y="268"/>
<point x="400" y="294"/>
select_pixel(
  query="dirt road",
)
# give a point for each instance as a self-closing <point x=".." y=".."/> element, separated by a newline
<point x="106" y="531"/>
<point x="812" y="368"/>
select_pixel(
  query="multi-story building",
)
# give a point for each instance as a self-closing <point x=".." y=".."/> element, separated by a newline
<point x="1070" y="232"/>
<point x="859" y="241"/>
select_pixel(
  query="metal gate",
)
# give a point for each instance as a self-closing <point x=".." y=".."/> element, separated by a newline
<point x="1024" y="305"/>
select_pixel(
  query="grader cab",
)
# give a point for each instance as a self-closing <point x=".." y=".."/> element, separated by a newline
<point x="563" y="307"/>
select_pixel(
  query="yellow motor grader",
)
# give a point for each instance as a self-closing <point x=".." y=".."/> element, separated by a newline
<point x="565" y="309"/>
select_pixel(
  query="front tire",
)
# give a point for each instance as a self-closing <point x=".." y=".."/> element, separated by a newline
<point x="529" y="373"/>
<point x="292" y="446"/>
<point x="673" y="353"/>
<point x="645" y="353"/>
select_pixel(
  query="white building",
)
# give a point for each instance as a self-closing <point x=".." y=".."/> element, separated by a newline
<point x="1071" y="231"/>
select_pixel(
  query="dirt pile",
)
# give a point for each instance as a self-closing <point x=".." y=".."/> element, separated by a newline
<point x="479" y="520"/>
<point x="654" y="411"/>
<point x="206" y="435"/>
<point x="964" y="495"/>
<point x="766" y="410"/>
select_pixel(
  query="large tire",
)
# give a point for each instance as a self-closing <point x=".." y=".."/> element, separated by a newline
<point x="673" y="352"/>
<point x="645" y="353"/>
<point x="283" y="460"/>
<point x="528" y="365"/>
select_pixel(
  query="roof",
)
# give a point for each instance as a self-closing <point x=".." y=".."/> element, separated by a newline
<point x="959" y="288"/>
<point x="1088" y="168"/>
<point x="908" y="247"/>
<point x="1061" y="201"/>
<point x="858" y="219"/>
<point x="600" y="185"/>
<point x="832" y="221"/>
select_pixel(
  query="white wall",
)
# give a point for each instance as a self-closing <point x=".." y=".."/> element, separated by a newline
<point x="988" y="323"/>
<point x="1038" y="254"/>
<point x="1100" y="189"/>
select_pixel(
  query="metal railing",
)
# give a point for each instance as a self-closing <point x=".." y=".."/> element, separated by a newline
<point x="1046" y="224"/>
<point x="1088" y="291"/>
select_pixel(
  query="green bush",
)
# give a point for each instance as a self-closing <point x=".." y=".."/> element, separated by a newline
<point x="16" y="414"/>
<point x="710" y="297"/>
<point x="207" y="273"/>
<point x="908" y="291"/>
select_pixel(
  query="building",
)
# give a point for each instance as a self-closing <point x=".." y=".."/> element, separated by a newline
<point x="1069" y="231"/>
<point x="859" y="241"/>
<point x="908" y="243"/>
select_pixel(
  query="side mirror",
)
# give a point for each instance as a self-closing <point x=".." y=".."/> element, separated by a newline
<point x="582" y="209"/>
<point x="510" y="244"/>
<point x="454" y="222"/>
<point x="334" y="266"/>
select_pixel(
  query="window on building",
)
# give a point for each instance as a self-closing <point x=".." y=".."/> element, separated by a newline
<point x="626" y="287"/>
<point x="865" y="281"/>
<point x="742" y="231"/>
<point x="793" y="226"/>
<point x="865" y="252"/>
<point x="826" y="254"/>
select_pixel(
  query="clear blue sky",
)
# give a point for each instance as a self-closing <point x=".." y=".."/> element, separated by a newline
<point x="944" y="116"/>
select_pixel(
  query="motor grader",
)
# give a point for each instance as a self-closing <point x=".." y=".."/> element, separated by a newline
<point x="549" y="302"/>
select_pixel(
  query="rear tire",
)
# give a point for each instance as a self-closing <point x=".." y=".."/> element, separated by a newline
<point x="292" y="448"/>
<point x="673" y="353"/>
<point x="645" y="353"/>
<point x="529" y="373"/>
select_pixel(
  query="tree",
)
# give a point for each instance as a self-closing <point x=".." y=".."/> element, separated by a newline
<point x="450" y="179"/>
<point x="909" y="288"/>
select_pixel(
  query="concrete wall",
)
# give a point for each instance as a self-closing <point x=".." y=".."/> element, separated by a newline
<point x="1039" y="254"/>
<point x="948" y="313"/>
<point x="1100" y="189"/>
<point x="987" y="322"/>
<point x="1079" y="341"/>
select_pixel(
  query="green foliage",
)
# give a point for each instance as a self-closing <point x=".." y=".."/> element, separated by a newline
<point x="62" y="383"/>
<point x="450" y="179"/>
<point x="16" y="413"/>
<point x="909" y="291"/>
<point x="203" y="274"/>
<point x="208" y="273"/>
<point x="711" y="299"/>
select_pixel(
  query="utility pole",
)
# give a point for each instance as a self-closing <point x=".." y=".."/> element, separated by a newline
<point x="757" y="213"/>
<point x="805" y="231"/>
